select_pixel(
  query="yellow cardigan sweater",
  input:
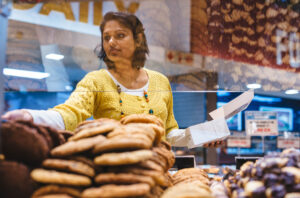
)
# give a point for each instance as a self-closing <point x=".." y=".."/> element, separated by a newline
<point x="96" y="95"/>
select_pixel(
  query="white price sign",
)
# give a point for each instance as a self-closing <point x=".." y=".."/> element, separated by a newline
<point x="261" y="123"/>
<point x="288" y="142"/>
<point x="243" y="141"/>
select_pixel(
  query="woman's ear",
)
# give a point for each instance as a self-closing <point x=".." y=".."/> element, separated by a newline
<point x="139" y="40"/>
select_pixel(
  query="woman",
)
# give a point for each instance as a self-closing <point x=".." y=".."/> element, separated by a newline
<point x="124" y="88"/>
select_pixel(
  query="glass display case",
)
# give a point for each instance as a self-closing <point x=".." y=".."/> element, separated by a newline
<point x="211" y="51"/>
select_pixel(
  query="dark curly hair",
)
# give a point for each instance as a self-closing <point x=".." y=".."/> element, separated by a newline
<point x="134" y="24"/>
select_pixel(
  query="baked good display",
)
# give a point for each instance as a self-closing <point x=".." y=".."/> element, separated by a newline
<point x="132" y="160"/>
<point x="29" y="143"/>
<point x="191" y="189"/>
<point x="189" y="182"/>
<point x="275" y="175"/>
<point x="25" y="145"/>
<point x="107" y="158"/>
<point x="246" y="31"/>
<point x="15" y="180"/>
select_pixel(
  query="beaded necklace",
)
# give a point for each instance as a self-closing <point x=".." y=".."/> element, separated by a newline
<point x="121" y="101"/>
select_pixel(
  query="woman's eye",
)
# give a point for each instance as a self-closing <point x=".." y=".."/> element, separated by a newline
<point x="121" y="35"/>
<point x="106" y="38"/>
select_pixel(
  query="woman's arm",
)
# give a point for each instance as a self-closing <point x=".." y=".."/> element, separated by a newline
<point x="49" y="117"/>
<point x="80" y="105"/>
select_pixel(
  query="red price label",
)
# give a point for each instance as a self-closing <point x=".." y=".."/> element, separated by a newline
<point x="243" y="142"/>
<point x="288" y="143"/>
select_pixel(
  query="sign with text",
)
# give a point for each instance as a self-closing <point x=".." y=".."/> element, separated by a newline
<point x="261" y="123"/>
<point x="288" y="142"/>
<point x="239" y="141"/>
<point x="83" y="17"/>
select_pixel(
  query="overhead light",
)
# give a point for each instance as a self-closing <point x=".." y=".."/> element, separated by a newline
<point x="54" y="56"/>
<point x="291" y="91"/>
<point x="254" y="86"/>
<point x="25" y="73"/>
<point x="68" y="87"/>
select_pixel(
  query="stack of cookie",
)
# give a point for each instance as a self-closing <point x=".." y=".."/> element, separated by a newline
<point x="107" y="158"/>
<point x="24" y="145"/>
<point x="72" y="163"/>
<point x="189" y="182"/>
<point x="134" y="159"/>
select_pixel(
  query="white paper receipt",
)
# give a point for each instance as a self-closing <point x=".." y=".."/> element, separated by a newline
<point x="215" y="130"/>
<point x="211" y="131"/>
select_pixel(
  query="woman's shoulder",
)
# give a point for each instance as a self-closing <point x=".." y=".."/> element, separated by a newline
<point x="98" y="75"/>
<point x="157" y="75"/>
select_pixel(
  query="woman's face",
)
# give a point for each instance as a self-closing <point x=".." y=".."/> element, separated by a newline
<point x="118" y="41"/>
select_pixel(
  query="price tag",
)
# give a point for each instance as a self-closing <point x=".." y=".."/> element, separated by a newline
<point x="242" y="142"/>
<point x="288" y="142"/>
<point x="261" y="123"/>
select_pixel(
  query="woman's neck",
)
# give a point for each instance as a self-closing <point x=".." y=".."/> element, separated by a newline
<point x="128" y="76"/>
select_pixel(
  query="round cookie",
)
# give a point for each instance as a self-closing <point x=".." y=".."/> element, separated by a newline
<point x="132" y="130"/>
<point x="40" y="129"/>
<point x="139" y="136"/>
<point x="190" y="171"/>
<point x="186" y="190"/>
<point x="142" y="118"/>
<point x="159" y="131"/>
<point x="121" y="144"/>
<point x="158" y="177"/>
<point x="123" y="178"/>
<point x="190" y="178"/>
<point x="57" y="137"/>
<point x="24" y="144"/>
<point x="55" y="177"/>
<point x="82" y="159"/>
<point x="94" y="123"/>
<point x="158" y="159"/>
<point x="54" y="190"/>
<point x="93" y="131"/>
<point x="165" y="144"/>
<point x="133" y="190"/>
<point x="70" y="166"/>
<point x="66" y="134"/>
<point x="123" y="158"/>
<point x="15" y="180"/>
<point x="71" y="147"/>
<point x="168" y="155"/>
<point x="149" y="164"/>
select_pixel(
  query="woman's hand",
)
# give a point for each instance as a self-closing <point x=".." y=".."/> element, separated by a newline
<point x="20" y="114"/>
<point x="215" y="144"/>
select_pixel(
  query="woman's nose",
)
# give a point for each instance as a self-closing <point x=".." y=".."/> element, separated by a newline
<point x="112" y="42"/>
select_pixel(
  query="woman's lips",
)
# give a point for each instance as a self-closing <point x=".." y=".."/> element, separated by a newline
<point x="114" y="51"/>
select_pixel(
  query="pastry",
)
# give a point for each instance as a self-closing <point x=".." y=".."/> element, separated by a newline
<point x="55" y="177"/>
<point x="123" y="158"/>
<point x="111" y="190"/>
<point x="70" y="166"/>
<point x="73" y="147"/>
